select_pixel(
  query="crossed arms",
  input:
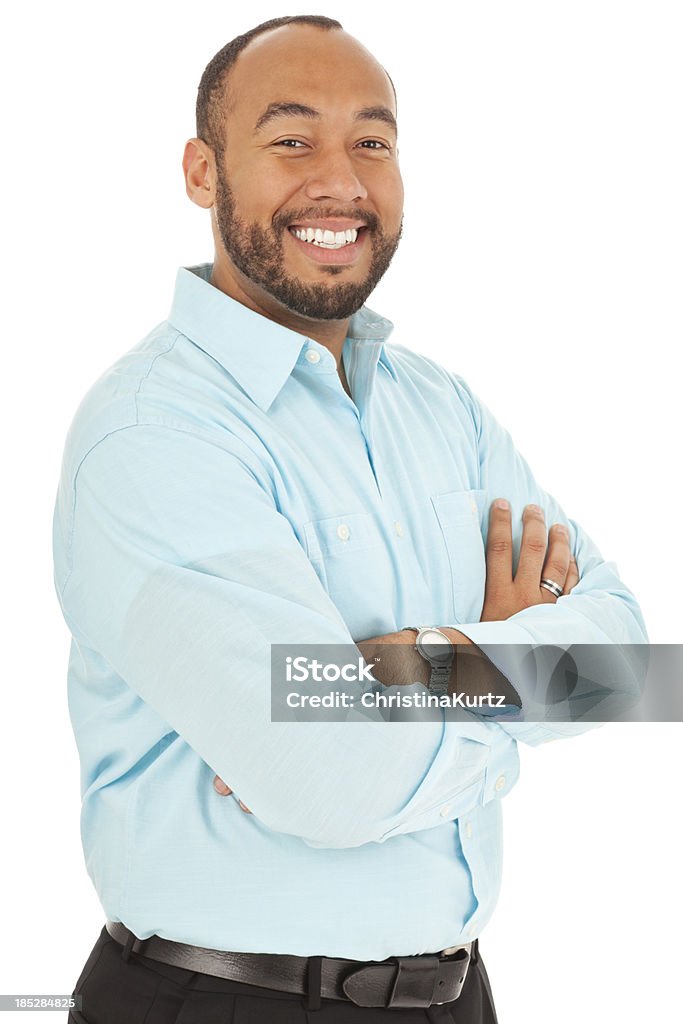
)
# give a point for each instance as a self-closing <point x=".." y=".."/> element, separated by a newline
<point x="542" y="554"/>
<point x="176" y="567"/>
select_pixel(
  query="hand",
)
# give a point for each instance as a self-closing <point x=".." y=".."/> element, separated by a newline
<point x="541" y="555"/>
<point x="224" y="790"/>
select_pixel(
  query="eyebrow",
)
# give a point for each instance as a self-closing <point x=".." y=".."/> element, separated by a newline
<point x="289" y="109"/>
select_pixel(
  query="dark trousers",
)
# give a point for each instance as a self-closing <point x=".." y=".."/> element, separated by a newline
<point x="142" y="991"/>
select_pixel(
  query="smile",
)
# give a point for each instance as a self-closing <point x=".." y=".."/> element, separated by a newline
<point x="326" y="239"/>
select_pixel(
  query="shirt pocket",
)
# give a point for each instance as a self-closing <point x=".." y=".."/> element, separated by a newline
<point x="350" y="555"/>
<point x="460" y="515"/>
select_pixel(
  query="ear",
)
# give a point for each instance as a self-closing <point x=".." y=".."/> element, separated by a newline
<point x="198" y="168"/>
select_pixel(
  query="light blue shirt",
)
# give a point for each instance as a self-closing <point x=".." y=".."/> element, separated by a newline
<point x="220" y="493"/>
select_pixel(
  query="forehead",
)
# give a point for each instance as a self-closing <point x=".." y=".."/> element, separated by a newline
<point x="328" y="70"/>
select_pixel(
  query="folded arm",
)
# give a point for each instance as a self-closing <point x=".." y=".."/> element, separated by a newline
<point x="181" y="572"/>
<point x="599" y="610"/>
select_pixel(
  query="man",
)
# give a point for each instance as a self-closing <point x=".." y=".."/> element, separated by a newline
<point x="263" y="469"/>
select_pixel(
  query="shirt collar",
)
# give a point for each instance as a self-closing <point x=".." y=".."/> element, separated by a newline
<point x="256" y="351"/>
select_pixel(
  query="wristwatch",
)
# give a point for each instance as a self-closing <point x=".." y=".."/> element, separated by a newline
<point x="437" y="649"/>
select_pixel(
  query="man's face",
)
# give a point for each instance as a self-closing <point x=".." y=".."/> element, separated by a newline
<point x="309" y="196"/>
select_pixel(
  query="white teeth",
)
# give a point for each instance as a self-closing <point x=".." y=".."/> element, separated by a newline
<point x="325" y="238"/>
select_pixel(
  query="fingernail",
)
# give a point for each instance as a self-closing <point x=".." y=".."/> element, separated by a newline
<point x="536" y="509"/>
<point x="502" y="503"/>
<point x="562" y="530"/>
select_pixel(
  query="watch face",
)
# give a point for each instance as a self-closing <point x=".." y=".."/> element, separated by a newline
<point x="434" y="636"/>
<point x="435" y="646"/>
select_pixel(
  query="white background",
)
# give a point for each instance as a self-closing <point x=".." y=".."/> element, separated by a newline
<point x="541" y="149"/>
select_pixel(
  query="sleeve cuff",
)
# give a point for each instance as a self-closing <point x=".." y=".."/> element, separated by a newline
<point x="508" y="646"/>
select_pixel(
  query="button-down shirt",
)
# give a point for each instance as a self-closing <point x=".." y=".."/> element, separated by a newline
<point x="221" y="492"/>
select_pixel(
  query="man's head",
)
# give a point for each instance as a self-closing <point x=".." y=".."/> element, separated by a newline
<point x="297" y="136"/>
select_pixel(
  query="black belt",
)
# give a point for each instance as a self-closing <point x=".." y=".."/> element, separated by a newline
<point x="401" y="981"/>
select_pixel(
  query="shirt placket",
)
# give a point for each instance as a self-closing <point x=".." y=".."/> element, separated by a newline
<point x="360" y="364"/>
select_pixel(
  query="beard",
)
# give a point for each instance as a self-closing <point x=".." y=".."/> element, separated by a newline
<point x="259" y="254"/>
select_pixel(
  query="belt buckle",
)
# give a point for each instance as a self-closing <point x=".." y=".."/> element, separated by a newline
<point x="414" y="984"/>
<point x="398" y="982"/>
<point x="451" y="951"/>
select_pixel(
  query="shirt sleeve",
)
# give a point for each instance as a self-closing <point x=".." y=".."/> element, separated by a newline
<point x="530" y="647"/>
<point x="174" y="563"/>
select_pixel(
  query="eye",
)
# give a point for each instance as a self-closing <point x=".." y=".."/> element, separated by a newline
<point x="374" y="144"/>
<point x="290" y="143"/>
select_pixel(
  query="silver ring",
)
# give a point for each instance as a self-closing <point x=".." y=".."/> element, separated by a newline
<point x="552" y="586"/>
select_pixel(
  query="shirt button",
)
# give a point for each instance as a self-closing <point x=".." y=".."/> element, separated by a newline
<point x="473" y="505"/>
<point x="399" y="529"/>
<point x="313" y="356"/>
<point x="500" y="783"/>
<point x="343" y="531"/>
<point x="444" y="810"/>
<point x="468" y="829"/>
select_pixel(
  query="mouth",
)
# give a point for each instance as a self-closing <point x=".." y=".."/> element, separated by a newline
<point x="324" y="245"/>
<point x="326" y="238"/>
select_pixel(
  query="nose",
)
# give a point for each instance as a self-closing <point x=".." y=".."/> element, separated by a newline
<point x="334" y="177"/>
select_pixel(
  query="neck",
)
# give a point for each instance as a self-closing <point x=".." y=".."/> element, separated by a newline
<point x="330" y="333"/>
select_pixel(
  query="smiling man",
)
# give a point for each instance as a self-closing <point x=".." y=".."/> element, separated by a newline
<point x="265" y="469"/>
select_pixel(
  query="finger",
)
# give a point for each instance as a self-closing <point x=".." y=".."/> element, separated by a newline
<point x="499" y="546"/>
<point x="533" y="548"/>
<point x="220" y="786"/>
<point x="244" y="807"/>
<point x="572" y="576"/>
<point x="556" y="565"/>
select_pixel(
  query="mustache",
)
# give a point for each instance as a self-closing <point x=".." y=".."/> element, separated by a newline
<point x="281" y="221"/>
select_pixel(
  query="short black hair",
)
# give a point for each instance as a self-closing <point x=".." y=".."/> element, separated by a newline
<point x="211" y="93"/>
